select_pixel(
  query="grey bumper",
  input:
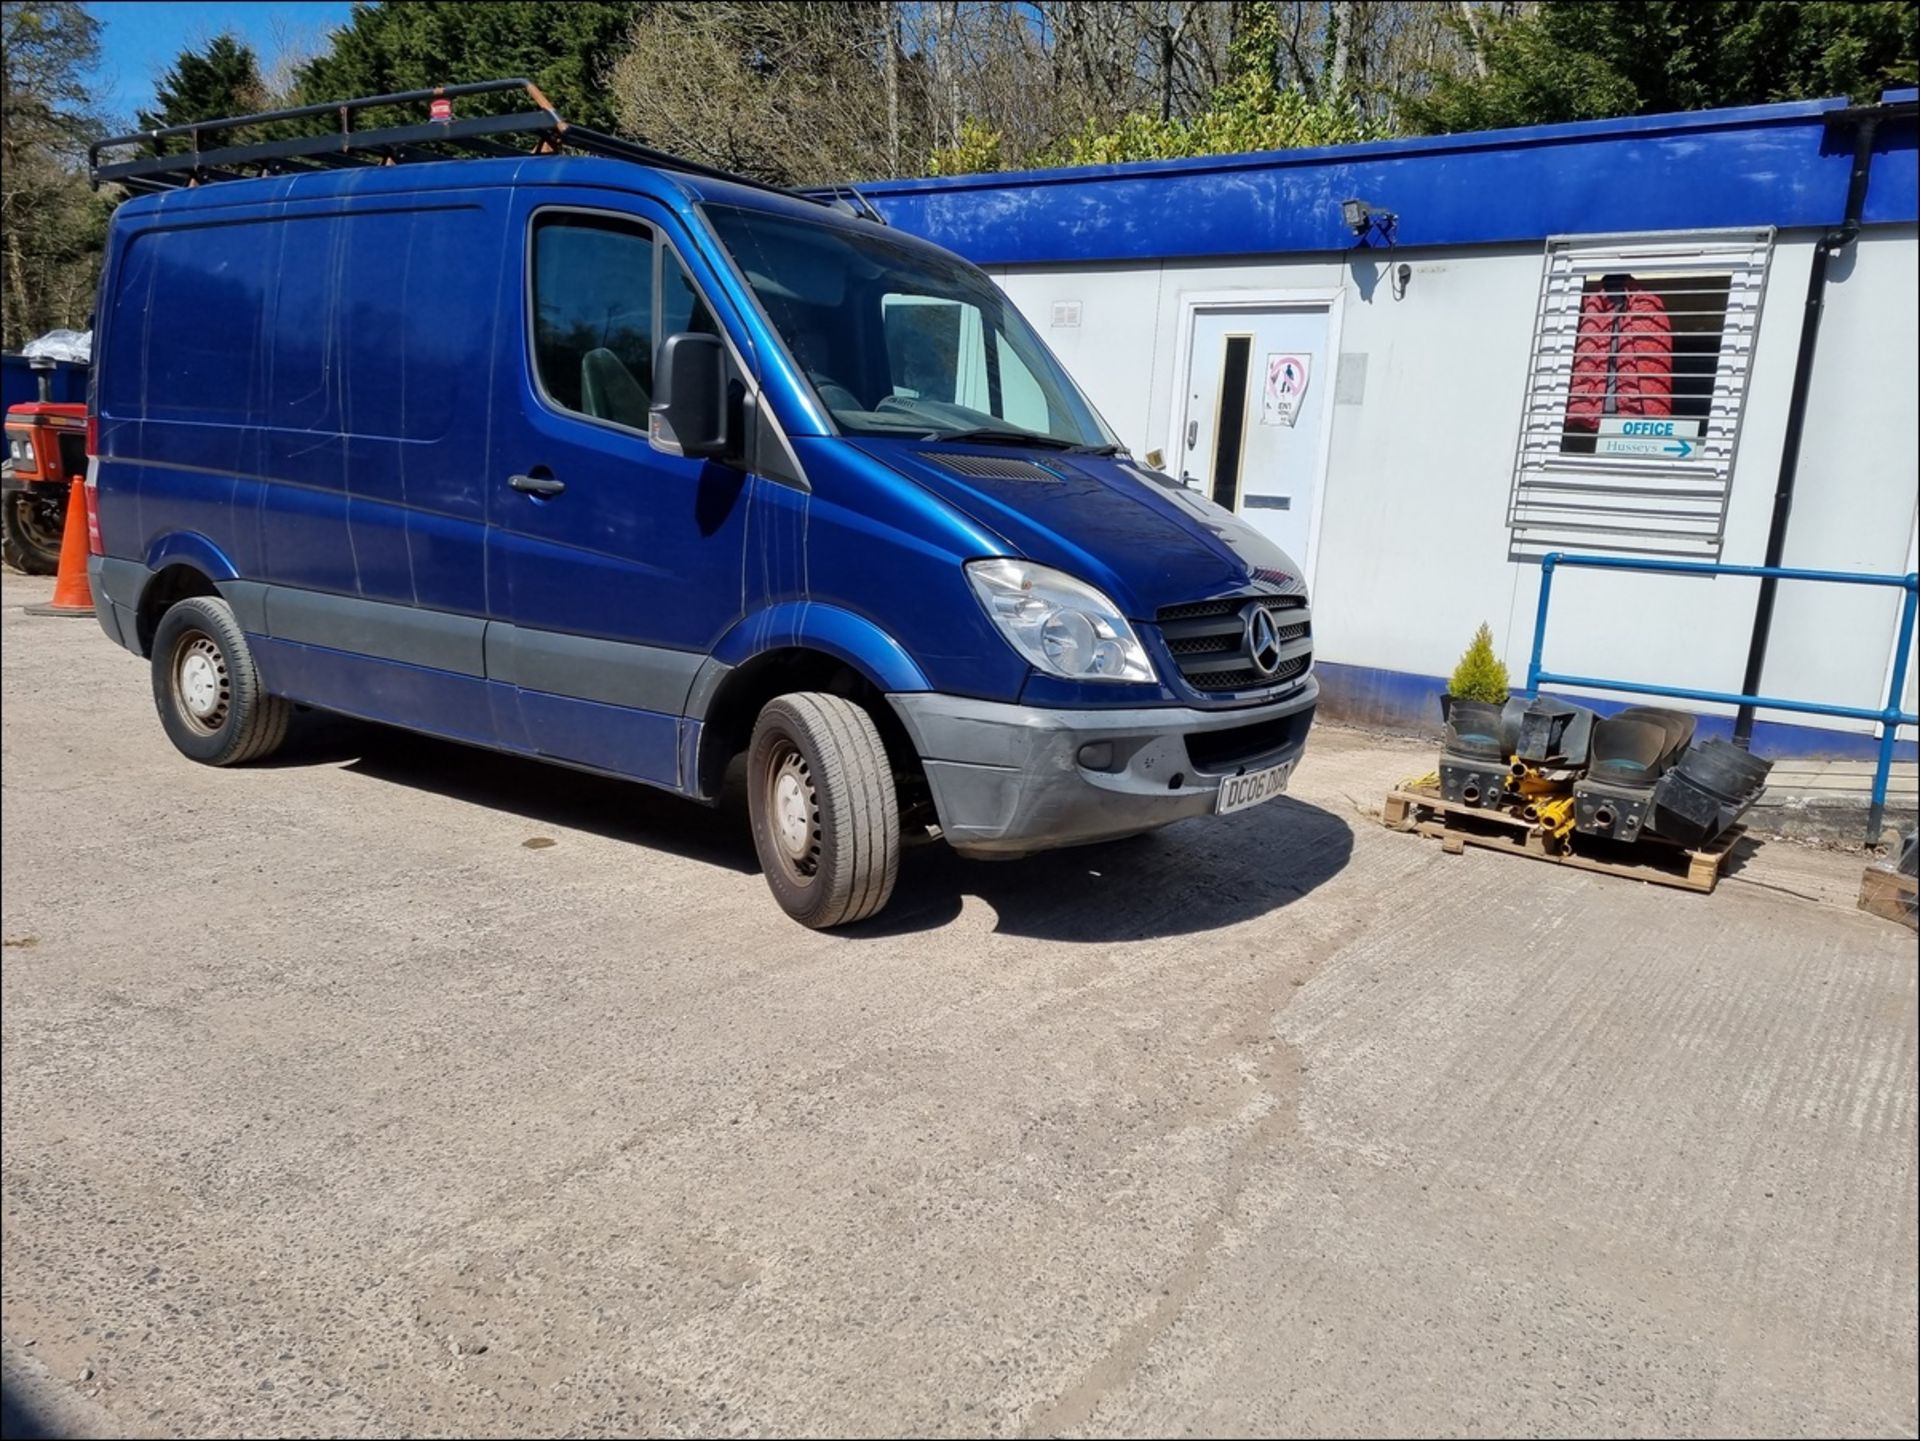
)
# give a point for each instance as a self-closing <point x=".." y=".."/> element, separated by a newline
<point x="116" y="595"/>
<point x="1009" y="779"/>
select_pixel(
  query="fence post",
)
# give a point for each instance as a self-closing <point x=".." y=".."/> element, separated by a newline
<point x="1547" y="563"/>
<point x="1890" y="722"/>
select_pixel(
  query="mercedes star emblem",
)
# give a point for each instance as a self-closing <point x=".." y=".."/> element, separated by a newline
<point x="1263" y="640"/>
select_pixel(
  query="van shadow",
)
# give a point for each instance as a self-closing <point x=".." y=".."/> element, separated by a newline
<point x="1188" y="879"/>
<point x="541" y="793"/>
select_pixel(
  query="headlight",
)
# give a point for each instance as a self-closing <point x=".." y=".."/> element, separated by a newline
<point x="1062" y="625"/>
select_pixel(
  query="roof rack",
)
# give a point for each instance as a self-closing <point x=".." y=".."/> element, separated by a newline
<point x="848" y="198"/>
<point x="441" y="137"/>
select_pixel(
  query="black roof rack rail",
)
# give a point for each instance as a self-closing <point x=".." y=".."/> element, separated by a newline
<point x="848" y="198"/>
<point x="433" y="139"/>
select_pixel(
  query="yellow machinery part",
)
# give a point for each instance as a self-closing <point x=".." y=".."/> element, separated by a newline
<point x="1533" y="783"/>
<point x="1556" y="817"/>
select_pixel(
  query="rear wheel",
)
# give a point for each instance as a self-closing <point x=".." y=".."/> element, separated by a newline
<point x="207" y="689"/>
<point x="31" y="525"/>
<point x="826" y="820"/>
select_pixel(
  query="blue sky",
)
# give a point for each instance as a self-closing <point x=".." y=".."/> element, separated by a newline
<point x="140" y="38"/>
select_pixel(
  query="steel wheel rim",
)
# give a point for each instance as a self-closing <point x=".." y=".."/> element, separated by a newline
<point x="793" y="813"/>
<point x="202" y="688"/>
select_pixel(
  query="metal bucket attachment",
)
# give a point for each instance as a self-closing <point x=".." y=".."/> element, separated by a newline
<point x="1706" y="791"/>
<point x="1481" y="728"/>
<point x="1472" y="780"/>
<point x="1554" y="733"/>
<point x="1631" y="751"/>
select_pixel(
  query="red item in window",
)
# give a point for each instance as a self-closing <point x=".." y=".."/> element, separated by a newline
<point x="1622" y="357"/>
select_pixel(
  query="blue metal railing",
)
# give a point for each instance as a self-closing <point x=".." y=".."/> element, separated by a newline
<point x="1889" y="718"/>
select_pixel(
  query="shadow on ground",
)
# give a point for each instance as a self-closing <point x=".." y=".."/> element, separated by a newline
<point x="544" y="795"/>
<point x="1195" y="876"/>
<point x="18" y="1418"/>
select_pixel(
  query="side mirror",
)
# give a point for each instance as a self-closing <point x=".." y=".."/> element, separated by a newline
<point x="689" y="411"/>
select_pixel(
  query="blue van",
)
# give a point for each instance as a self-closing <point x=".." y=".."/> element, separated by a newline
<point x="584" y="452"/>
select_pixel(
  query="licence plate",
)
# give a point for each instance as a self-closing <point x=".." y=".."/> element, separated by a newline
<point x="1239" y="792"/>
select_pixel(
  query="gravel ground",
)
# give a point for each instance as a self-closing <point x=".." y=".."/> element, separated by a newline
<point x="334" y="1105"/>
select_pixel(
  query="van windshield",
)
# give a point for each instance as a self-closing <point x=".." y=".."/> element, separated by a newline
<point x="898" y="338"/>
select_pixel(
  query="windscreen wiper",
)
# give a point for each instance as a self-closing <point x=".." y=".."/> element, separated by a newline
<point x="999" y="435"/>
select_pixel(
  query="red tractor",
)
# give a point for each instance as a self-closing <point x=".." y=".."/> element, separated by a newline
<point x="46" y="449"/>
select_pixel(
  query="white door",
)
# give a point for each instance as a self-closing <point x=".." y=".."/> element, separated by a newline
<point x="1259" y="383"/>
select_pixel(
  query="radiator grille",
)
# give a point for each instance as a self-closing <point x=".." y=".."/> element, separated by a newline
<point x="1208" y="640"/>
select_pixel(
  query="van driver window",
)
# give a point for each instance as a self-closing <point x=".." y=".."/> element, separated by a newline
<point x="681" y="307"/>
<point x="593" y="316"/>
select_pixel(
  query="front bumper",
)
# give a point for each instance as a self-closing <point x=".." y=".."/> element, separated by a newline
<point x="1010" y="779"/>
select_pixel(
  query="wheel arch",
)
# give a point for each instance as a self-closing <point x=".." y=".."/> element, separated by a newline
<point x="729" y="700"/>
<point x="180" y="564"/>
<point x="187" y="547"/>
<point x="166" y="587"/>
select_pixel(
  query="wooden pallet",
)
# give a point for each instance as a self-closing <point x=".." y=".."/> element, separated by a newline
<point x="1887" y="892"/>
<point x="1422" y="811"/>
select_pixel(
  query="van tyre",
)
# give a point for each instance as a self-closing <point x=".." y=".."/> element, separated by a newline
<point x="208" y="690"/>
<point x="826" y="820"/>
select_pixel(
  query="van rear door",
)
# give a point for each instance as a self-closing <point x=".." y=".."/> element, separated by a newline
<point x="613" y="569"/>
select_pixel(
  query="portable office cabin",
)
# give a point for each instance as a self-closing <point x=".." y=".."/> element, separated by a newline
<point x="1418" y="422"/>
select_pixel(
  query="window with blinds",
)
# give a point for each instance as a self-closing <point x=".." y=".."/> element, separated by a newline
<point x="1639" y="377"/>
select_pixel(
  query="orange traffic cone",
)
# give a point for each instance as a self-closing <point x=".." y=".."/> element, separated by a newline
<point x="71" y="593"/>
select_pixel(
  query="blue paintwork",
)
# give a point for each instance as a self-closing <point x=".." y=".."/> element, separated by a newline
<point x="812" y="625"/>
<point x="1762" y="165"/>
<point x="186" y="547"/>
<point x="325" y="382"/>
<point x="417" y="697"/>
<point x="1407" y="701"/>
<point x="1889" y="717"/>
<point x="1145" y="542"/>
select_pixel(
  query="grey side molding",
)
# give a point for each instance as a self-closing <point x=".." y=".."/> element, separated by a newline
<point x="409" y="634"/>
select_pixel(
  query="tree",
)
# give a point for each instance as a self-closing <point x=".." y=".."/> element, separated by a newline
<point x="1373" y="53"/>
<point x="1561" y="61"/>
<point x="1480" y="674"/>
<point x="222" y="80"/>
<point x="566" y="49"/>
<point x="1254" y="110"/>
<point x="792" y="91"/>
<point x="51" y="225"/>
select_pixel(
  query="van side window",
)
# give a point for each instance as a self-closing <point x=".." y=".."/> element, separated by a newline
<point x="593" y="316"/>
<point x="681" y="307"/>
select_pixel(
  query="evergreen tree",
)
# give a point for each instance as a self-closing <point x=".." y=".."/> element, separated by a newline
<point x="211" y="84"/>
<point x="565" y="49"/>
<point x="1589" y="59"/>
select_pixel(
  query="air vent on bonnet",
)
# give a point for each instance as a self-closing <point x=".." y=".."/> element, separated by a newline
<point x="989" y="467"/>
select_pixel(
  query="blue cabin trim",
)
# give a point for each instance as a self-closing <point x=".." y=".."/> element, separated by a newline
<point x="1761" y="165"/>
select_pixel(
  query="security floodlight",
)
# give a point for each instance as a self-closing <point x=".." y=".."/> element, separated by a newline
<point x="1364" y="219"/>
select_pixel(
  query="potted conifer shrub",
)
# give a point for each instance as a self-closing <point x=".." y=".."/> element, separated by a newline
<point x="1477" y="690"/>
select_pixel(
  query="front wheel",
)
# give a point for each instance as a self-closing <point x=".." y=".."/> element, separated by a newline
<point x="31" y="526"/>
<point x="826" y="820"/>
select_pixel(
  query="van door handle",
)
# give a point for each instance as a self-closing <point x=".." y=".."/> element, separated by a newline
<point x="1193" y="433"/>
<point x="543" y="485"/>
